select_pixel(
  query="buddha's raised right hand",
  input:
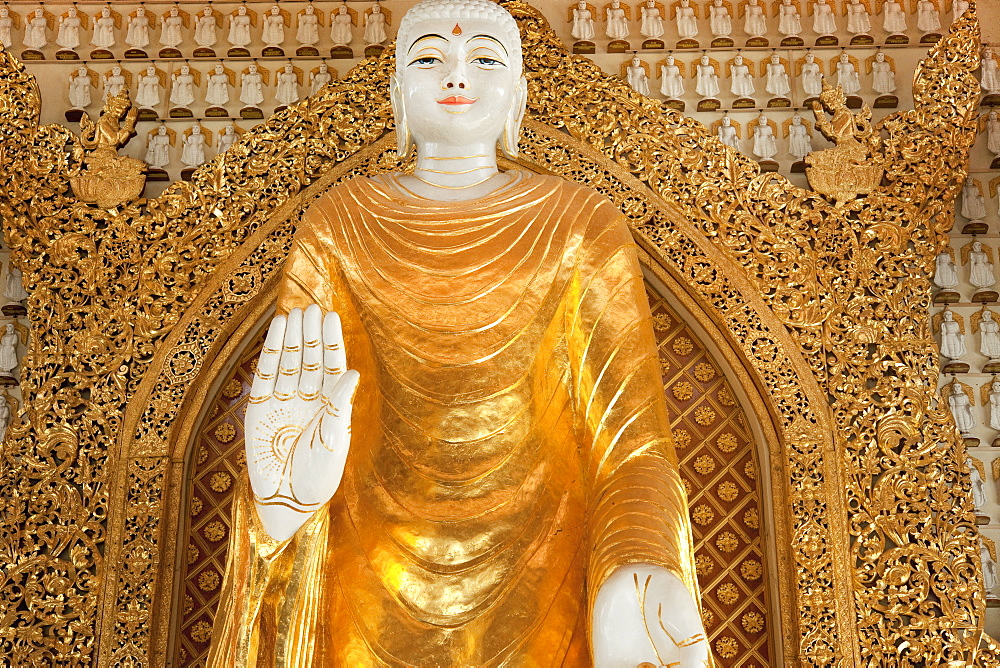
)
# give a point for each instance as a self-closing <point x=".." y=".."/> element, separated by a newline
<point x="298" y="421"/>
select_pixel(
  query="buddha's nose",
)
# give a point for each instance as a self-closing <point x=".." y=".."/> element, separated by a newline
<point x="455" y="79"/>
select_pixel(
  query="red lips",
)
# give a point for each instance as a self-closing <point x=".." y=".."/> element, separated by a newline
<point x="456" y="99"/>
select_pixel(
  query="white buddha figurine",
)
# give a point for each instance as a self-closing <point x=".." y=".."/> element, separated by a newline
<point x="114" y="82"/>
<point x="965" y="419"/>
<point x="239" y="28"/>
<point x="182" y="87"/>
<point x="989" y="77"/>
<point x="952" y="340"/>
<point x="992" y="127"/>
<point x="811" y="76"/>
<point x="824" y="22"/>
<point x="319" y="78"/>
<point x="973" y="202"/>
<point x="719" y="21"/>
<point x="755" y="19"/>
<point x="193" y="152"/>
<point x="894" y="17"/>
<point x="617" y="21"/>
<point x="206" y="28"/>
<point x="726" y="133"/>
<point x="104" y="30"/>
<point x="990" y="582"/>
<point x="799" y="141"/>
<point x="778" y="82"/>
<point x="252" y="87"/>
<point x="989" y="331"/>
<point x="980" y="268"/>
<point x="158" y="148"/>
<point x="273" y="30"/>
<point x="706" y="78"/>
<point x="341" y="26"/>
<point x="8" y="352"/>
<point x="375" y="26"/>
<point x="286" y="85"/>
<point x="994" y="399"/>
<point x="687" y="21"/>
<point x="945" y="271"/>
<point x="137" y="29"/>
<point x="171" y="28"/>
<point x="928" y="17"/>
<point x="859" y="21"/>
<point x="637" y="77"/>
<point x="36" y="27"/>
<point x="68" y="36"/>
<point x="741" y="81"/>
<point x="979" y="498"/>
<point x="789" y="21"/>
<point x="651" y="23"/>
<point x="883" y="76"/>
<point x="671" y="79"/>
<point x="148" y="88"/>
<point x="80" y="84"/>
<point x="958" y="8"/>
<point x="583" y="22"/>
<point x="6" y="27"/>
<point x="459" y="114"/>
<point x="228" y="138"/>
<point x="217" y="86"/>
<point x="764" y="145"/>
<point x="847" y="75"/>
<point x="307" y="30"/>
<point x="4" y="417"/>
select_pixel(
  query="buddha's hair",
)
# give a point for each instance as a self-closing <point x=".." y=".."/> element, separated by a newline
<point x="480" y="10"/>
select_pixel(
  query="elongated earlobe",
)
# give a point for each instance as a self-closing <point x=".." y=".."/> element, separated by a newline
<point x="403" y="139"/>
<point x="512" y="128"/>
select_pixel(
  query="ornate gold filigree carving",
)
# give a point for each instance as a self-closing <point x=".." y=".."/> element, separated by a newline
<point x="824" y="305"/>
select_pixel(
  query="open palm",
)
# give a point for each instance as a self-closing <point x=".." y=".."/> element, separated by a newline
<point x="298" y="422"/>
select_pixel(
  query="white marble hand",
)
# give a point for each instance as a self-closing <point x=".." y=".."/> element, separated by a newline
<point x="298" y="421"/>
<point x="643" y="614"/>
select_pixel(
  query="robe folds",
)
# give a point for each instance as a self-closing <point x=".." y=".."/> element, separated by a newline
<point x="510" y="444"/>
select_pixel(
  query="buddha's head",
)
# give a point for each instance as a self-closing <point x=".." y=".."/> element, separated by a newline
<point x="796" y="120"/>
<point x="288" y="68"/>
<point x="275" y="10"/>
<point x="727" y="121"/>
<point x="105" y="12"/>
<point x="39" y="13"/>
<point x="162" y="130"/>
<point x="71" y="12"/>
<point x="880" y="57"/>
<point x="140" y="12"/>
<point x="993" y="114"/>
<point x="242" y="11"/>
<point x="775" y="59"/>
<point x="174" y="11"/>
<point x="670" y="60"/>
<point x="738" y="60"/>
<point x="704" y="60"/>
<point x="151" y="70"/>
<point x="310" y="9"/>
<point x="810" y="57"/>
<point x="377" y="9"/>
<point x="987" y="315"/>
<point x="207" y="11"/>
<point x="185" y="69"/>
<point x="116" y="70"/>
<point x="947" y="315"/>
<point x="219" y="69"/>
<point x="459" y="76"/>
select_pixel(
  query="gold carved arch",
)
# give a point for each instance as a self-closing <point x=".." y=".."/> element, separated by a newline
<point x="824" y="305"/>
<point x="221" y="319"/>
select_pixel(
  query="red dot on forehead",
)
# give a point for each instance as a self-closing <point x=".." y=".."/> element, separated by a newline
<point x="457" y="30"/>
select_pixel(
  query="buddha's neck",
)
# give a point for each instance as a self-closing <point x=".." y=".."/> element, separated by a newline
<point x="455" y="167"/>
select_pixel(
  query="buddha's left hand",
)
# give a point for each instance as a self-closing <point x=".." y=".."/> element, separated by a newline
<point x="645" y="614"/>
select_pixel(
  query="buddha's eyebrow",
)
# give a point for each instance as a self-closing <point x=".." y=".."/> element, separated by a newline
<point x="490" y="37"/>
<point x="422" y="38"/>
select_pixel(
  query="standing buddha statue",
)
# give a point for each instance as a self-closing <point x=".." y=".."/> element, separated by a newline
<point x="457" y="442"/>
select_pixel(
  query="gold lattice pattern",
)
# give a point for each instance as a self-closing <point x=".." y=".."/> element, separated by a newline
<point x="213" y="467"/>
<point x="719" y="469"/>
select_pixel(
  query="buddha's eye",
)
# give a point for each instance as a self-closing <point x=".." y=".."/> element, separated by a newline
<point x="426" y="61"/>
<point x="488" y="62"/>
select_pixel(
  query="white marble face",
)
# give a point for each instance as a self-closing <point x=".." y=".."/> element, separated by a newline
<point x="457" y="88"/>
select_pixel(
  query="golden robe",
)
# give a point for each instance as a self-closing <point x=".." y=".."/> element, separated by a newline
<point x="510" y="443"/>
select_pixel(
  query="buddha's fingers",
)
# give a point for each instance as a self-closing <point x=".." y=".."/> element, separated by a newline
<point x="335" y="427"/>
<point x="267" y="364"/>
<point x="334" y="355"/>
<point x="287" y="385"/>
<point x="311" y="378"/>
